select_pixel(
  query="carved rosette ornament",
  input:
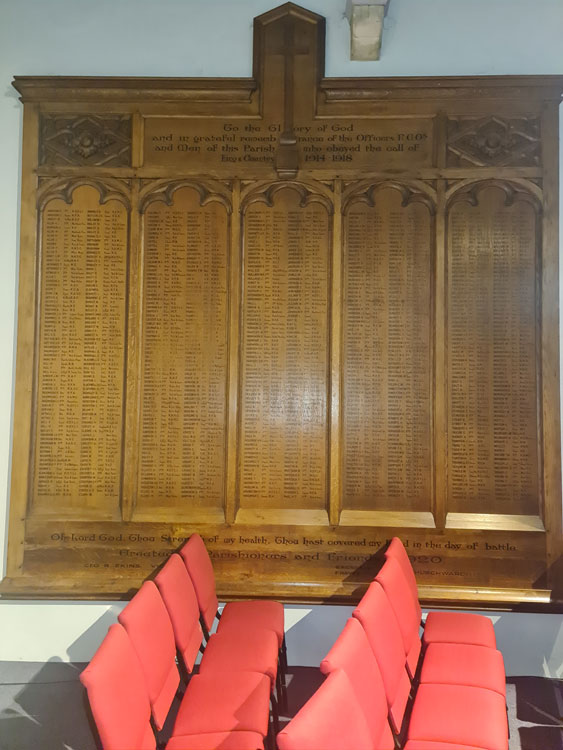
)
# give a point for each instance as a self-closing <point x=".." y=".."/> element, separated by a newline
<point x="92" y="140"/>
<point x="493" y="141"/>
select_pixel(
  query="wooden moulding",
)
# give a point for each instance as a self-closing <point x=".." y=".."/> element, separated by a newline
<point x="296" y="315"/>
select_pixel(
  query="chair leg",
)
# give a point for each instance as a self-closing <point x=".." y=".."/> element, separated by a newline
<point x="284" y="653"/>
<point x="282" y="670"/>
<point x="270" y="742"/>
<point x="507" y="721"/>
<point x="275" y="714"/>
<point x="281" y="692"/>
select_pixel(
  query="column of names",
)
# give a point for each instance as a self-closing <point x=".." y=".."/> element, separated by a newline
<point x="82" y="354"/>
<point x="183" y="409"/>
<point x="285" y="356"/>
<point x="387" y="354"/>
<point x="493" y="464"/>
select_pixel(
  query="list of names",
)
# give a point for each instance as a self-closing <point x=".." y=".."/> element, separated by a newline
<point x="81" y="354"/>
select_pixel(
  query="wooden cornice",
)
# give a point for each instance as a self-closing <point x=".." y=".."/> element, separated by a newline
<point x="93" y="89"/>
<point x="241" y="90"/>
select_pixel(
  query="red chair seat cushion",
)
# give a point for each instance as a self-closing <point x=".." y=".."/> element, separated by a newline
<point x="250" y="615"/>
<point x="226" y="702"/>
<point x="464" y="664"/>
<point x="217" y="741"/>
<point x="459" y="715"/>
<point x="459" y="627"/>
<point x="424" y="745"/>
<point x="241" y="652"/>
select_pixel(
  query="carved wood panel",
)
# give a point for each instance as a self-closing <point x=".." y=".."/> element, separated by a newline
<point x="90" y="139"/>
<point x="387" y="441"/>
<point x="183" y="353"/>
<point x="284" y="356"/>
<point x="297" y="315"/>
<point x="81" y="355"/>
<point x="493" y="422"/>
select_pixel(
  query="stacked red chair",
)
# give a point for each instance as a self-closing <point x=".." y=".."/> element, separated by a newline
<point x="251" y="617"/>
<point x="443" y="717"/>
<point x="121" y="708"/>
<point x="440" y="695"/>
<point x="218" y="702"/>
<point x="134" y="677"/>
<point x="440" y="627"/>
<point x="117" y="694"/>
<point x="443" y="663"/>
<point x="249" y="652"/>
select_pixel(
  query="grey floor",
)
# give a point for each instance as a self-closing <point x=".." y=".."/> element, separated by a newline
<point x="42" y="707"/>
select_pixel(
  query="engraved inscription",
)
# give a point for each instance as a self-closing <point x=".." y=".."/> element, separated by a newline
<point x="493" y="418"/>
<point x="387" y="355"/>
<point x="252" y="144"/>
<point x="81" y="355"/>
<point x="322" y="555"/>
<point x="283" y="424"/>
<point x="184" y="354"/>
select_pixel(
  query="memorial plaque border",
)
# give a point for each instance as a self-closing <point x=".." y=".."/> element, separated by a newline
<point x="529" y="553"/>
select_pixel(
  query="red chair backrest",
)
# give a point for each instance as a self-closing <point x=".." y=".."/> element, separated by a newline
<point x="149" y="628"/>
<point x="395" y="585"/>
<point x="177" y="592"/>
<point x="397" y="551"/>
<point x="380" y="625"/>
<point x="198" y="563"/>
<point x="117" y="694"/>
<point x="331" y="719"/>
<point x="352" y="653"/>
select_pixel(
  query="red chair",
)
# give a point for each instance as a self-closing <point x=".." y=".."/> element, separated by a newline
<point x="121" y="708"/>
<point x="458" y="716"/>
<point x="117" y="694"/>
<point x="217" y="703"/>
<point x="379" y="624"/>
<point x="332" y="719"/>
<point x="223" y="653"/>
<point x="177" y="592"/>
<point x="245" y="616"/>
<point x="443" y="627"/>
<point x="256" y="613"/>
<point x="443" y="663"/>
<point x="218" y="741"/>
<point x="464" y="664"/>
<point x="352" y="654"/>
<point x="150" y="631"/>
<point x="455" y="714"/>
<point x="391" y="579"/>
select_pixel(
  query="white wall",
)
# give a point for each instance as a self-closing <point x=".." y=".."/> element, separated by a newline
<point x="214" y="38"/>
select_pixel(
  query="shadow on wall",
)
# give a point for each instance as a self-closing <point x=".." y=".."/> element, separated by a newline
<point x="44" y="705"/>
<point x="531" y="644"/>
<point x="85" y="646"/>
<point x="45" y="709"/>
<point x="311" y="632"/>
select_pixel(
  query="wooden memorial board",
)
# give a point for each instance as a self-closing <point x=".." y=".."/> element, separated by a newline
<point x="297" y="315"/>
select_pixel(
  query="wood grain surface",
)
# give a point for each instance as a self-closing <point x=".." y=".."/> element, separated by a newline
<point x="297" y="315"/>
